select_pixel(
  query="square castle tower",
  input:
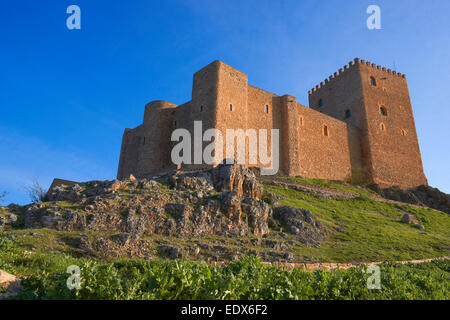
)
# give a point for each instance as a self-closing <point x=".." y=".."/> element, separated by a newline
<point x="359" y="125"/>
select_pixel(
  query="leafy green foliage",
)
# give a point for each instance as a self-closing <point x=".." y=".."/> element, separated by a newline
<point x="6" y="243"/>
<point x="247" y="279"/>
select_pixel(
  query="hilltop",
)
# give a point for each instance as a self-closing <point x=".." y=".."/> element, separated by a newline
<point x="229" y="212"/>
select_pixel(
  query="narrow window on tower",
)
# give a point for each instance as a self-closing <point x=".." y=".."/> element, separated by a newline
<point x="325" y="131"/>
<point x="320" y="103"/>
<point x="348" y="114"/>
<point x="231" y="107"/>
<point x="383" y="111"/>
<point x="382" y="127"/>
<point x="301" y="121"/>
<point x="373" y="82"/>
<point x="201" y="108"/>
<point x="144" y="140"/>
<point x="267" y="108"/>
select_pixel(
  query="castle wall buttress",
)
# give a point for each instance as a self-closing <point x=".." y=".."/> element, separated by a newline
<point x="232" y="107"/>
<point x="202" y="108"/>
<point x="264" y="111"/>
<point x="290" y="154"/>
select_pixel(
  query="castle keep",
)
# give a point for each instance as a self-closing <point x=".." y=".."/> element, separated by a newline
<point x="359" y="125"/>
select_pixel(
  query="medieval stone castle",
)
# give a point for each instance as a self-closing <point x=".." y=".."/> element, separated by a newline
<point x="359" y="125"/>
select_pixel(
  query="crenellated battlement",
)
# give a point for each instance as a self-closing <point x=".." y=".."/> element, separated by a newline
<point x="384" y="69"/>
<point x="348" y="67"/>
<point x="333" y="77"/>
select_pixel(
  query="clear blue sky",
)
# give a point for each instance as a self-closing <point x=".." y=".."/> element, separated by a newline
<point x="67" y="95"/>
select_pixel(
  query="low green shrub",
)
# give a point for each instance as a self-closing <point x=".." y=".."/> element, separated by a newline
<point x="247" y="279"/>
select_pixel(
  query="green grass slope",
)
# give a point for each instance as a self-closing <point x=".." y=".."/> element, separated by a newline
<point x="364" y="229"/>
<point x="361" y="228"/>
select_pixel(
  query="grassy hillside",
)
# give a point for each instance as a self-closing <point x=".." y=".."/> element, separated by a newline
<point x="360" y="227"/>
<point x="364" y="229"/>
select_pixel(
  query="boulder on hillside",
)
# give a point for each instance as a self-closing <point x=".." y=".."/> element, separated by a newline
<point x="409" y="218"/>
<point x="412" y="219"/>
<point x="11" y="283"/>
<point x="237" y="178"/>
<point x="303" y="224"/>
<point x="6" y="278"/>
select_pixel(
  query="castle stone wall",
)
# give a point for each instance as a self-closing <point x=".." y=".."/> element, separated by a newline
<point x="157" y="128"/>
<point x="389" y="143"/>
<point x="231" y="109"/>
<point x="391" y="137"/>
<point x="129" y="153"/>
<point x="264" y="112"/>
<point x="359" y="126"/>
<point x="335" y="156"/>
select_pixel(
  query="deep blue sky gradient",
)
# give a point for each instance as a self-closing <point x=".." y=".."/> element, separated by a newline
<point x="67" y="95"/>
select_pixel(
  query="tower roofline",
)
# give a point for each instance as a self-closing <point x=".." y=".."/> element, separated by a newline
<point x="351" y="65"/>
<point x="219" y="63"/>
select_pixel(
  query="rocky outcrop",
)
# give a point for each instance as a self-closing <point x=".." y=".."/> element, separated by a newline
<point x="422" y="196"/>
<point x="39" y="215"/>
<point x="9" y="284"/>
<point x="225" y="201"/>
<point x="258" y="213"/>
<point x="116" y="246"/>
<point x="237" y="178"/>
<point x="302" y="224"/>
<point x="6" y="278"/>
<point x="222" y="201"/>
<point x="9" y="219"/>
